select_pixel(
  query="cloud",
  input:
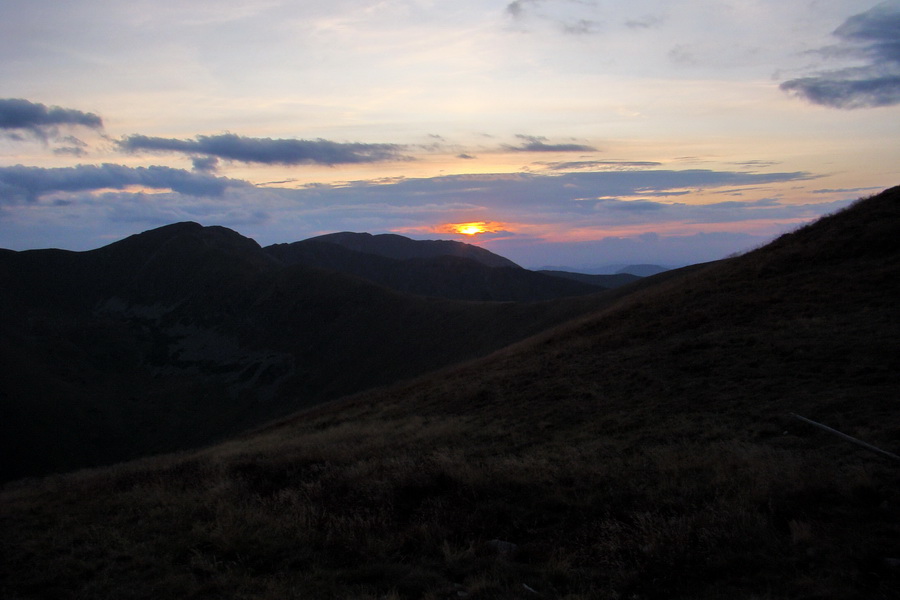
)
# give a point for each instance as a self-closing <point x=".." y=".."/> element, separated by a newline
<point x="31" y="183"/>
<point x="205" y="164"/>
<point x="571" y="17"/>
<point x="267" y="150"/>
<point x="41" y="120"/>
<point x="581" y="27"/>
<point x="756" y="163"/>
<point x="516" y="9"/>
<point x="846" y="190"/>
<point x="647" y="22"/>
<point x="599" y="165"/>
<point x="545" y="212"/>
<point x="631" y="205"/>
<point x="549" y="192"/>
<point x="76" y="147"/>
<point x="537" y="144"/>
<point x="873" y="35"/>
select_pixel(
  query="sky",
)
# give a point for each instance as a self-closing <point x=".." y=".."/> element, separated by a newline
<point x="562" y="133"/>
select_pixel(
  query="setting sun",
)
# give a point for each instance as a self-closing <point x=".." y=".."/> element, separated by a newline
<point x="472" y="228"/>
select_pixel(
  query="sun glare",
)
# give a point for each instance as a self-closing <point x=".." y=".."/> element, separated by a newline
<point x="472" y="228"/>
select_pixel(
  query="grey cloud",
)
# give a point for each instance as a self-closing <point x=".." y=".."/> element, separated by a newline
<point x="205" y="164"/>
<point x="866" y="90"/>
<point x="538" y="144"/>
<point x="70" y="151"/>
<point x="75" y="147"/>
<point x="878" y="28"/>
<point x="581" y="27"/>
<point x="633" y="205"/>
<point x="30" y="183"/>
<point x="267" y="150"/>
<point x="683" y="55"/>
<point x="516" y="9"/>
<point x="123" y="207"/>
<point x="875" y="35"/>
<point x="606" y="165"/>
<point x="17" y="113"/>
<point x="645" y="23"/>
<point x="846" y="190"/>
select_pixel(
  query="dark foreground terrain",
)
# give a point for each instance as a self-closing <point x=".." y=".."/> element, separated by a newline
<point x="185" y="335"/>
<point x="644" y="451"/>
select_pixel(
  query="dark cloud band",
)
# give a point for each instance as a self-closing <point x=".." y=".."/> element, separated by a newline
<point x="267" y="150"/>
<point x="875" y="35"/>
<point x="16" y="113"/>
<point x="30" y="183"/>
<point x="538" y="144"/>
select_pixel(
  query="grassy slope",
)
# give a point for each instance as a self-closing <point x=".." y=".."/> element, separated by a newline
<point x="644" y="452"/>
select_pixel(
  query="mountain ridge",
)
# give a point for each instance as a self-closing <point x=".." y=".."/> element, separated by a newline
<point x="426" y="271"/>
<point x="400" y="247"/>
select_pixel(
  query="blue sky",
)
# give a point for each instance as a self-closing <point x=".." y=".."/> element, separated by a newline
<point x="580" y="132"/>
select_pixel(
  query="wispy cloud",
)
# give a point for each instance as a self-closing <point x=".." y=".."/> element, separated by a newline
<point x="873" y="35"/>
<point x="599" y="165"/>
<point x="267" y="150"/>
<point x="533" y="143"/>
<point x="581" y="27"/>
<point x="516" y="9"/>
<point x="571" y="200"/>
<point x="31" y="183"/>
<point x="645" y="22"/>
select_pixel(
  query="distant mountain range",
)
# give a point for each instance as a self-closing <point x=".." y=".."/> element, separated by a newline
<point x="639" y="270"/>
<point x="183" y="334"/>
<point x="444" y="269"/>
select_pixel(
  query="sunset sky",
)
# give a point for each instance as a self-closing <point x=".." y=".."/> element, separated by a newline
<point x="579" y="132"/>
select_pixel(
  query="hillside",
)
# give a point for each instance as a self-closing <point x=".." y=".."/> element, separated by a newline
<point x="398" y="247"/>
<point x="643" y="451"/>
<point x="460" y="274"/>
<point x="185" y="334"/>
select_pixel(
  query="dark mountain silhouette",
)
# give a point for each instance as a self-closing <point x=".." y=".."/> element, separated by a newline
<point x="645" y="450"/>
<point x="183" y="334"/>
<point x="402" y="248"/>
<point x="432" y="268"/>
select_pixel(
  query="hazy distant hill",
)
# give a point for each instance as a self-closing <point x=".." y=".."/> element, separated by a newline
<point x="603" y="281"/>
<point x="639" y="270"/>
<point x="646" y="450"/>
<point x="642" y="270"/>
<point x="180" y="335"/>
<point x="431" y="268"/>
